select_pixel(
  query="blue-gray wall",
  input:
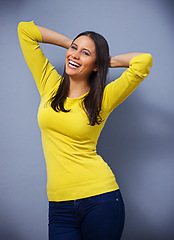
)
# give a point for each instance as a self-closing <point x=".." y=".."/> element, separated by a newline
<point x="138" y="139"/>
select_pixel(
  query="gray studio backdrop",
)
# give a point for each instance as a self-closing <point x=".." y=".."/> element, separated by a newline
<point x="138" y="139"/>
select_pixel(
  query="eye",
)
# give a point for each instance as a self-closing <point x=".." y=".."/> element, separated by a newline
<point x="74" y="47"/>
<point x="86" y="53"/>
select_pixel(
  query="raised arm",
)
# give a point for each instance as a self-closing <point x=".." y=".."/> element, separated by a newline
<point x="45" y="75"/>
<point x="117" y="91"/>
<point x="52" y="37"/>
<point x="122" y="60"/>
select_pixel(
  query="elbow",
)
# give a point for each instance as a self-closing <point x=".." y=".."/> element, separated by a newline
<point x="20" y="27"/>
<point x="148" y="60"/>
<point x="23" y="27"/>
<point x="146" y="63"/>
<point x="141" y="65"/>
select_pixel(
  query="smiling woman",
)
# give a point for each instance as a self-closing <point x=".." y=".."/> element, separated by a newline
<point x="82" y="56"/>
<point x="86" y="67"/>
<point x="84" y="198"/>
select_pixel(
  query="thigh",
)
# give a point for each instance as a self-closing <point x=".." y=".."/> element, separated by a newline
<point x="63" y="222"/>
<point x="106" y="218"/>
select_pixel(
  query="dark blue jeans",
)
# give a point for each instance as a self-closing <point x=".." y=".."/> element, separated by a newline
<point x="99" y="217"/>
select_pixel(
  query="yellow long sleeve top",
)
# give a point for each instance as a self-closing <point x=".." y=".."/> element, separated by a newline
<point x="74" y="169"/>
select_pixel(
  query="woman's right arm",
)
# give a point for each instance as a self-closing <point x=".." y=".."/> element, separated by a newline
<point x="45" y="75"/>
<point x="49" y="36"/>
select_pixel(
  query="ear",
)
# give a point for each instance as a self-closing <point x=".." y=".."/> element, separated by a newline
<point x="95" y="69"/>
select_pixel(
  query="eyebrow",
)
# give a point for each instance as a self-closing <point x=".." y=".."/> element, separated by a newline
<point x="83" y="48"/>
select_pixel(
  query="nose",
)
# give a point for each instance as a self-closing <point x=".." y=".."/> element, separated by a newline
<point x="75" y="55"/>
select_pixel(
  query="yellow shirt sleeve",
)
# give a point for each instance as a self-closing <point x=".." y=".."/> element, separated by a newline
<point x="45" y="75"/>
<point x="117" y="91"/>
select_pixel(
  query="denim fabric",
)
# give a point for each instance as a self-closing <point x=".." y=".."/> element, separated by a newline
<point x="99" y="217"/>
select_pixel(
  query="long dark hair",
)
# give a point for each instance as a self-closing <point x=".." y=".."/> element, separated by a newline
<point x="93" y="100"/>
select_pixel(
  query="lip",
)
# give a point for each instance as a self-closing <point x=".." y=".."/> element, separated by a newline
<point x="73" y="67"/>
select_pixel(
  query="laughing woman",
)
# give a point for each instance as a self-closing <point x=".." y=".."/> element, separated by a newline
<point x="84" y="198"/>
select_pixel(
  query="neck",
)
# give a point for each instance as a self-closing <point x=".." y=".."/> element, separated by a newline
<point x="78" y="87"/>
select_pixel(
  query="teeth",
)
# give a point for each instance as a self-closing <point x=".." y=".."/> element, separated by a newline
<point x="74" y="64"/>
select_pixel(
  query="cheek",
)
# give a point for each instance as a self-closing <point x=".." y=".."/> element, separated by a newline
<point x="67" y="56"/>
<point x="68" y="53"/>
<point x="90" y="64"/>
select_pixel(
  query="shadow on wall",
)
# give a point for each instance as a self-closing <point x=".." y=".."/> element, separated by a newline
<point x="137" y="133"/>
<point x="138" y="127"/>
<point x="10" y="4"/>
<point x="169" y="4"/>
<point x="137" y="142"/>
<point x="9" y="230"/>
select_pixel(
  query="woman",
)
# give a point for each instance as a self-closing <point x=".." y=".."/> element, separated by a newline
<point x="84" y="198"/>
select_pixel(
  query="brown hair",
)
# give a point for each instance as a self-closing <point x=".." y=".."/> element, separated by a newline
<point x="93" y="100"/>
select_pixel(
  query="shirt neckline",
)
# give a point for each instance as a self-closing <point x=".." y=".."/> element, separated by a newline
<point x="77" y="97"/>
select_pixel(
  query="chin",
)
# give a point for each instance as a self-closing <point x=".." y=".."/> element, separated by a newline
<point x="69" y="73"/>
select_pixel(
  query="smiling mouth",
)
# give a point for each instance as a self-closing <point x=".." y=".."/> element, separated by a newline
<point x="73" y="64"/>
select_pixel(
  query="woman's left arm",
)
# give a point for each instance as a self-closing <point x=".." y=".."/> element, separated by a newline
<point x="122" y="60"/>
<point x="117" y="91"/>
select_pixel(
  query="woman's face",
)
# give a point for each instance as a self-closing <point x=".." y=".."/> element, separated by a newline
<point x="80" y="58"/>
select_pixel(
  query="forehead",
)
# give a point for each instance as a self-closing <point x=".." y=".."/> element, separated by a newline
<point x="85" y="42"/>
